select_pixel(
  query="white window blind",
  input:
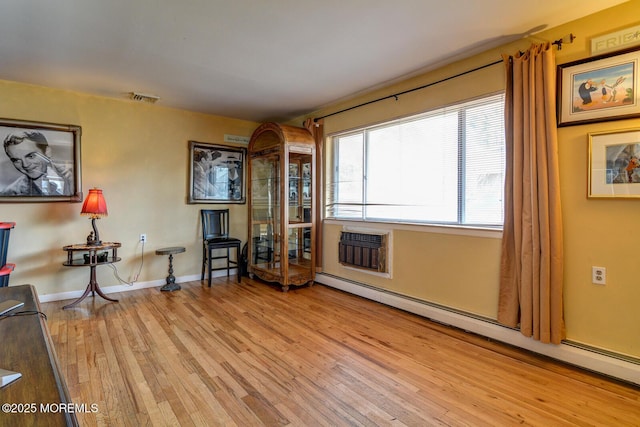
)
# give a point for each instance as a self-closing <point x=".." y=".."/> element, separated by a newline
<point x="445" y="166"/>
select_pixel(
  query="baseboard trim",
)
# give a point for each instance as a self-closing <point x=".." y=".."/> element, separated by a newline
<point x="126" y="288"/>
<point x="595" y="361"/>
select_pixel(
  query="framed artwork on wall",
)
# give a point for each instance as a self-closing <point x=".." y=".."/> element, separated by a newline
<point x="600" y="88"/>
<point x="614" y="164"/>
<point x="216" y="173"/>
<point x="40" y="163"/>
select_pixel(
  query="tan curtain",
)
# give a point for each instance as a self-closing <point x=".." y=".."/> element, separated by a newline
<point x="531" y="271"/>
<point x="317" y="130"/>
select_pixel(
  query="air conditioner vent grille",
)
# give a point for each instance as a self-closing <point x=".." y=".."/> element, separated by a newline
<point x="363" y="250"/>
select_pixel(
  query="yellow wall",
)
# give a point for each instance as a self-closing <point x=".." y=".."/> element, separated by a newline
<point x="460" y="271"/>
<point x="452" y="270"/>
<point x="138" y="154"/>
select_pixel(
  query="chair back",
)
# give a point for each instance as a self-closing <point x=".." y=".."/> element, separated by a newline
<point x="215" y="223"/>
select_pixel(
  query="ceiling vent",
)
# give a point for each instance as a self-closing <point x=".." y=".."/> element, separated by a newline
<point x="143" y="97"/>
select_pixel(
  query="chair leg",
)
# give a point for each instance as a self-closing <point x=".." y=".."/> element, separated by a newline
<point x="209" y="265"/>
<point x="238" y="261"/>
<point x="204" y="260"/>
<point x="207" y="255"/>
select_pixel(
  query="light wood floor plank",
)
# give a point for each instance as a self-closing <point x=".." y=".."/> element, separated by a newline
<point x="249" y="355"/>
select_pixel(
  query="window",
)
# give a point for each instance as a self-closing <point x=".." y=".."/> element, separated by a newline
<point x="441" y="167"/>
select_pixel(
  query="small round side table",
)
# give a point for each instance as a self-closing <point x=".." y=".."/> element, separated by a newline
<point x="171" y="280"/>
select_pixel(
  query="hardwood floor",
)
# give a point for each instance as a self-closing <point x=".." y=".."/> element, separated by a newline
<point x="247" y="354"/>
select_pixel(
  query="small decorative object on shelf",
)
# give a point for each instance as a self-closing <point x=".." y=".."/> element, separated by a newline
<point x="91" y="239"/>
<point x="102" y="257"/>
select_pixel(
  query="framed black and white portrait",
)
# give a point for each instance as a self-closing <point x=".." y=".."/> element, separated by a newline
<point x="40" y="162"/>
<point x="216" y="173"/>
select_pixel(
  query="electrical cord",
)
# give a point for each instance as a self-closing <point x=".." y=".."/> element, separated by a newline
<point x="135" y="277"/>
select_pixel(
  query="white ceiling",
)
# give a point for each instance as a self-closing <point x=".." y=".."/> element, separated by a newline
<point x="254" y="59"/>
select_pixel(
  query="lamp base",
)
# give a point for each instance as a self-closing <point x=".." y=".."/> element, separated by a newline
<point x="92" y="240"/>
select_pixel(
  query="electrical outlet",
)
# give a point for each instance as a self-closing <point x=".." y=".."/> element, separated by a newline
<point x="143" y="238"/>
<point x="599" y="275"/>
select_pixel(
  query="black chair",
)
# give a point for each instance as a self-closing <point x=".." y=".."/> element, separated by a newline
<point x="215" y="235"/>
<point x="262" y="250"/>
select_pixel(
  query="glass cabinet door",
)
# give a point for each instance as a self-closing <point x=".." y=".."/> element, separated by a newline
<point x="265" y="212"/>
<point x="300" y="227"/>
<point x="299" y="245"/>
<point x="299" y="188"/>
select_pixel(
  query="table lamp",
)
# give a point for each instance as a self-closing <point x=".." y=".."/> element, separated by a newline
<point x="96" y="207"/>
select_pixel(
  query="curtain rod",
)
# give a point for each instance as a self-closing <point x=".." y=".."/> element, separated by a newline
<point x="566" y="39"/>
<point x="396" y="95"/>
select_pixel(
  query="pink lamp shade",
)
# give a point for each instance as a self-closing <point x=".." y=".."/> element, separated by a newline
<point x="94" y="205"/>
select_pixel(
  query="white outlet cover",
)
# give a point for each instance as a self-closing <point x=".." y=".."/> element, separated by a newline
<point x="598" y="275"/>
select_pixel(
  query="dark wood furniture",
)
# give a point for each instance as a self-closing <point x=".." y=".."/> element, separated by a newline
<point x="27" y="348"/>
<point x="171" y="284"/>
<point x="93" y="256"/>
<point x="215" y="235"/>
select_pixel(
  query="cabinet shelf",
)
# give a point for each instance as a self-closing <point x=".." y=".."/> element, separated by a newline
<point x="300" y="225"/>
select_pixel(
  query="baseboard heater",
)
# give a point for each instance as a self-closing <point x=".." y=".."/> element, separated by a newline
<point x="363" y="250"/>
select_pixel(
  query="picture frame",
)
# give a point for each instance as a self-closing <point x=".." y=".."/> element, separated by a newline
<point x="41" y="162"/>
<point x="601" y="88"/>
<point x="614" y="164"/>
<point x="216" y="173"/>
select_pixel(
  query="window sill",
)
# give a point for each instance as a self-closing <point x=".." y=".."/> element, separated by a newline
<point x="461" y="230"/>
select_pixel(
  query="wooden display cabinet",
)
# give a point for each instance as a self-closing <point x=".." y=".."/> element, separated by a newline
<point x="282" y="185"/>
